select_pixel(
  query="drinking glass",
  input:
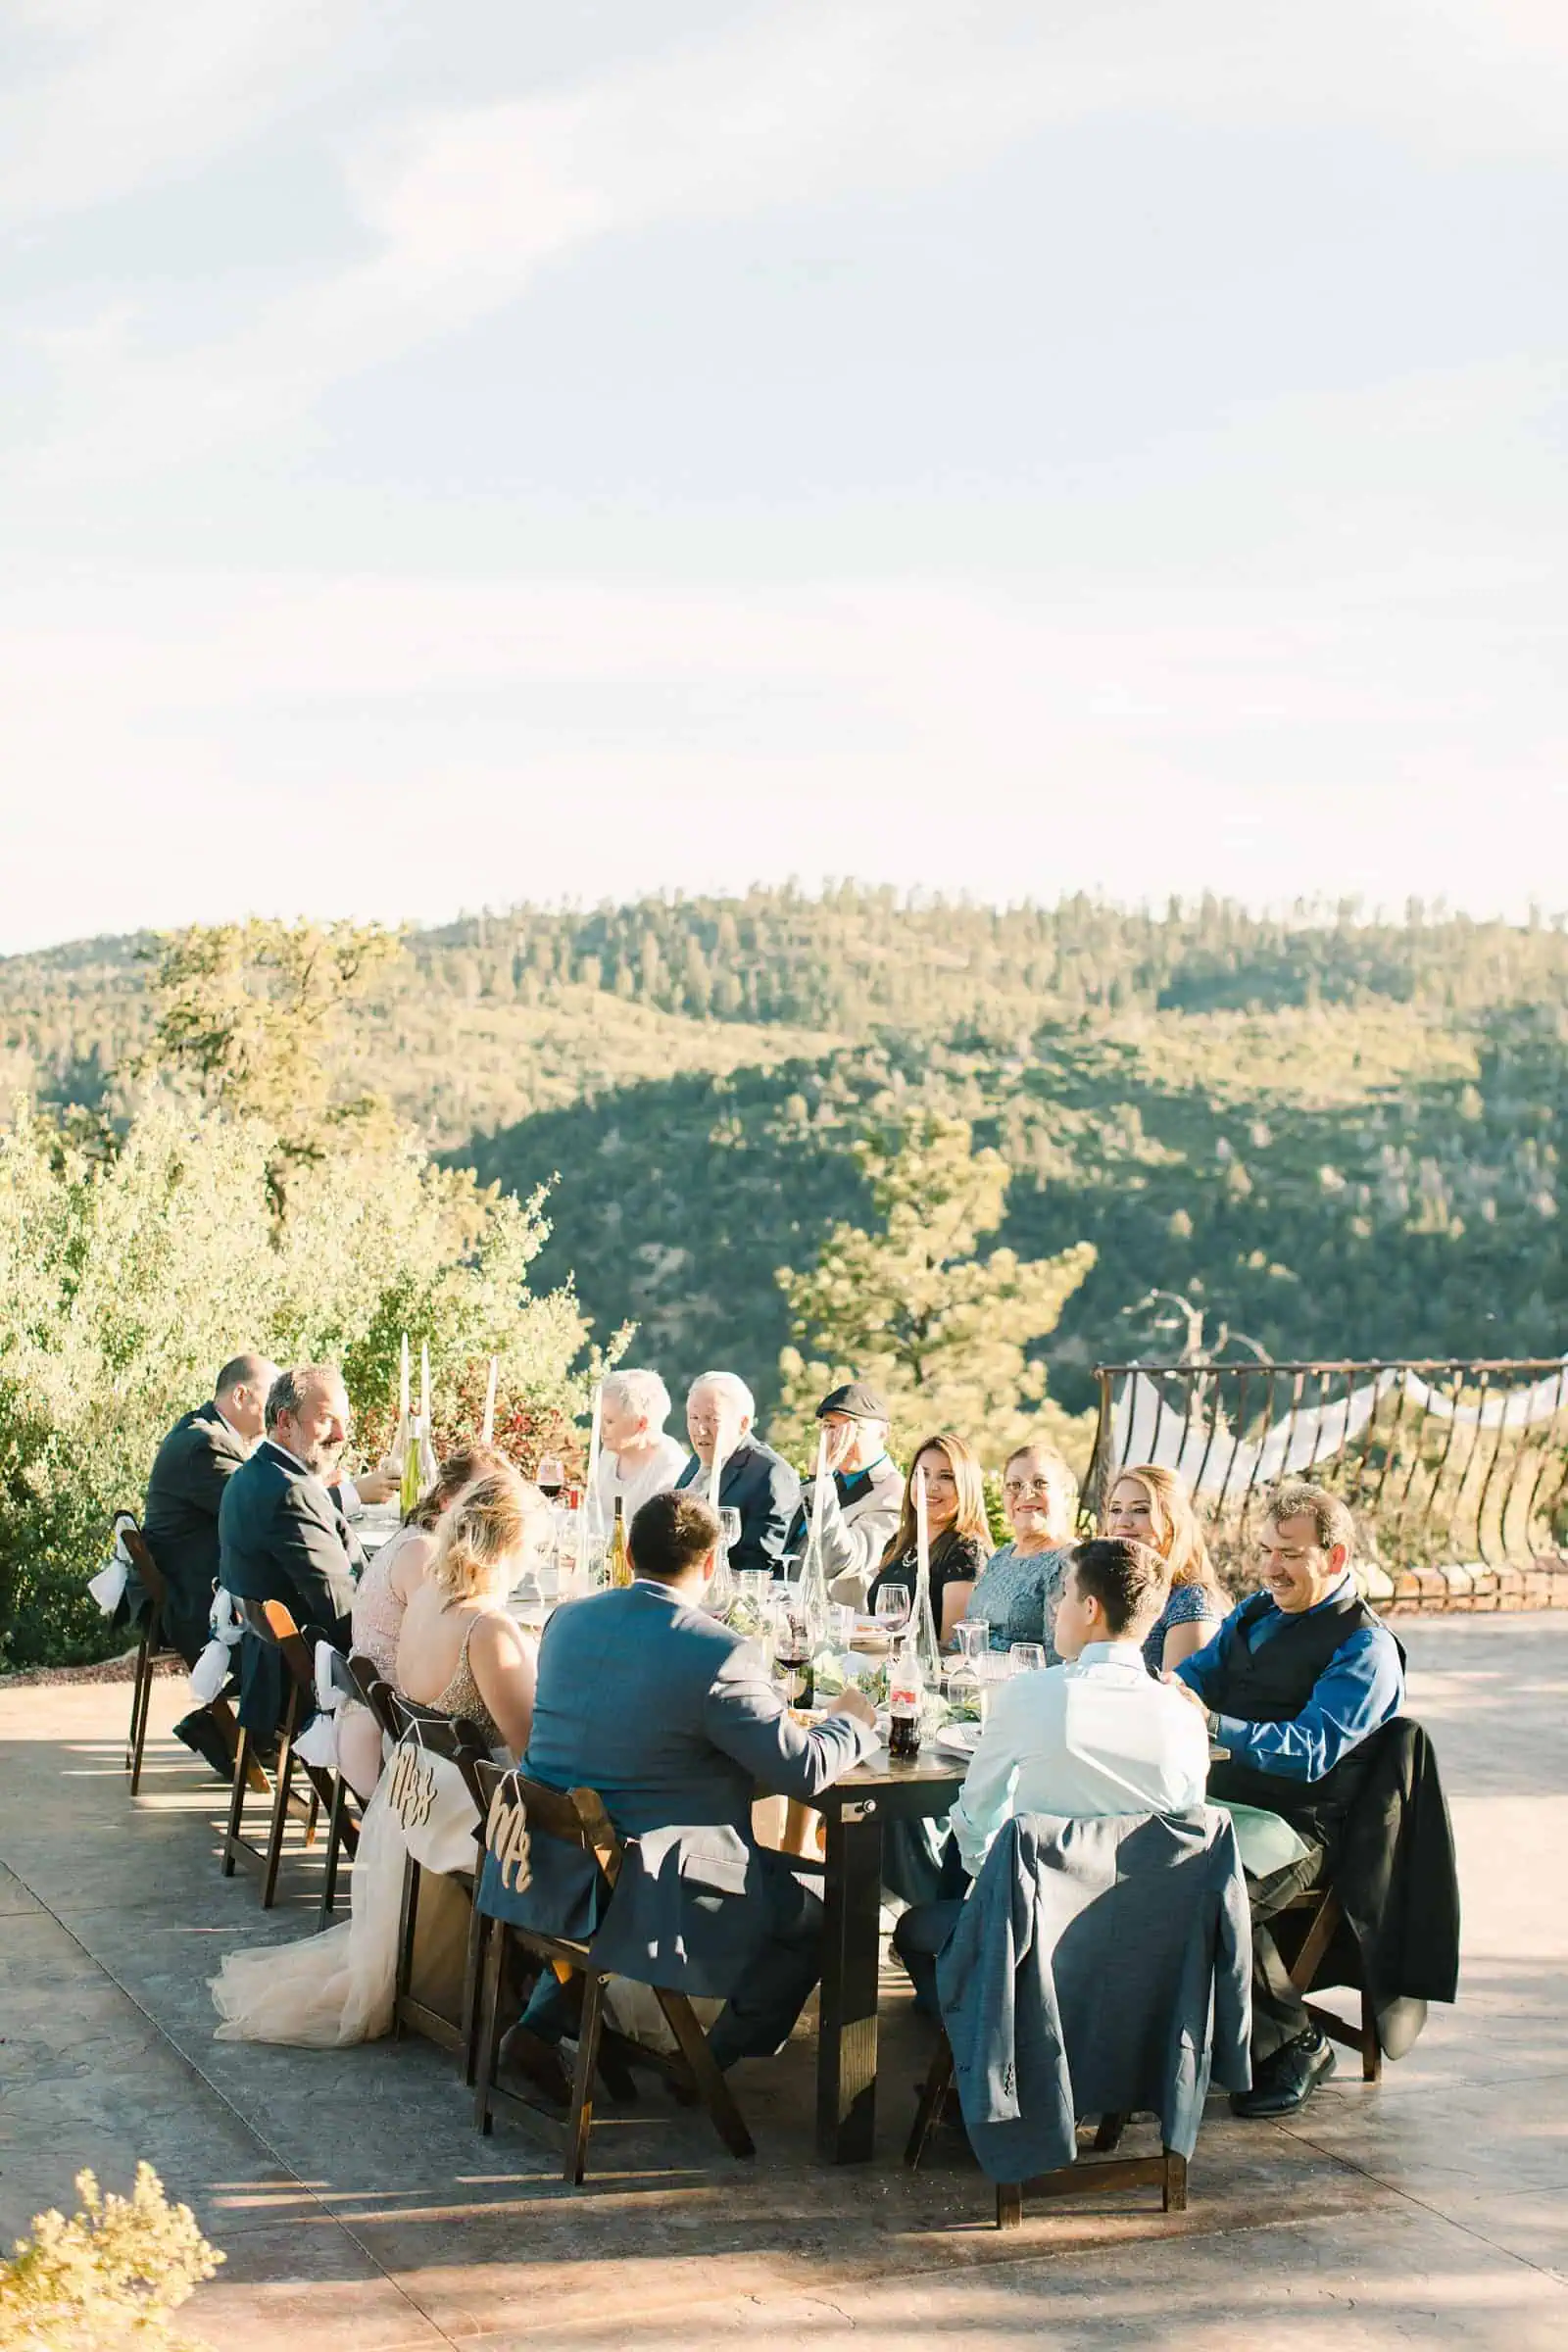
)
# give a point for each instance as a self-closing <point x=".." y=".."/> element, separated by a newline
<point x="995" y="1667"/>
<point x="552" y="1475"/>
<point x="729" y="1522"/>
<point x="842" y="1623"/>
<point x="974" y="1635"/>
<point x="893" y="1609"/>
<point x="1028" y="1657"/>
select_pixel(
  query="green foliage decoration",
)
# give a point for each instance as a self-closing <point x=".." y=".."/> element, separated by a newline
<point x="115" y="2272"/>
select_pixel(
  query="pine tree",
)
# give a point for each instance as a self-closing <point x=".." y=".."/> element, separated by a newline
<point x="914" y="1309"/>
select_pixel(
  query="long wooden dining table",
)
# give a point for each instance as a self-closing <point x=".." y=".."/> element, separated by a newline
<point x="855" y="1810"/>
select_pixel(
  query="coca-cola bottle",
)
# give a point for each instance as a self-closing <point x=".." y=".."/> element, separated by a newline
<point x="905" y="1698"/>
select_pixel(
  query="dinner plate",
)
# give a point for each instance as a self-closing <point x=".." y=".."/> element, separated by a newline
<point x="960" y="1739"/>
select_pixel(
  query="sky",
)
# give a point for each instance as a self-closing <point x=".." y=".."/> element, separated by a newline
<point x="451" y="457"/>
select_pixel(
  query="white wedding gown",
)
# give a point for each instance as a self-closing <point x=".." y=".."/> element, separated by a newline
<point x="337" y="1987"/>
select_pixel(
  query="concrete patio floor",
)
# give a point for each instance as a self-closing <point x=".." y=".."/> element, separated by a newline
<point x="357" y="2205"/>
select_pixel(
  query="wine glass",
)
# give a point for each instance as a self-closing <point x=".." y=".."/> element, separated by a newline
<point x="1028" y="1657"/>
<point x="974" y="1636"/>
<point x="893" y="1609"/>
<point x="730" y="1524"/>
<point x="552" y="1475"/>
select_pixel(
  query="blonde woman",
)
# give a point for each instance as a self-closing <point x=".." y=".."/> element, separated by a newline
<point x="1149" y="1505"/>
<point x="460" y="1653"/>
<point x="1018" y="1590"/>
<point x="957" y="1526"/>
<point x="459" y="1650"/>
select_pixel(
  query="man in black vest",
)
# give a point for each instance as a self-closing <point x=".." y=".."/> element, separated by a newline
<point x="283" y="1537"/>
<point x="1292" y="1685"/>
<point x="180" y="1520"/>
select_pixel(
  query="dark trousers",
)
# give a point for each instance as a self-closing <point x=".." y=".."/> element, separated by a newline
<point x="1279" y="2012"/>
<point x="758" y="2014"/>
<point x="917" y="1939"/>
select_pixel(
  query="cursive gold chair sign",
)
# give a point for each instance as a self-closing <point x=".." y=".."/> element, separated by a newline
<point x="411" y="1792"/>
<point x="506" y="1834"/>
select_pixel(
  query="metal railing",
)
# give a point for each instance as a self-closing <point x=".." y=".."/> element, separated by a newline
<point x="1447" y="1464"/>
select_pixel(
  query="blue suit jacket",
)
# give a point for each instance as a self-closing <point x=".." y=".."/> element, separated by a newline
<point x="1097" y="1967"/>
<point x="761" y="1485"/>
<point x="672" y="1718"/>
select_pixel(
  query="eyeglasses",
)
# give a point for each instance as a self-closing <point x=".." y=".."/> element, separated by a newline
<point x="1026" y="1486"/>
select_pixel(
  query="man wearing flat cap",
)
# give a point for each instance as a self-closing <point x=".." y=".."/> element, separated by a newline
<point x="861" y="1506"/>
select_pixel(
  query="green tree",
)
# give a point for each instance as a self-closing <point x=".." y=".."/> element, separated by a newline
<point x="254" y="1012"/>
<point x="914" y="1308"/>
<point x="125" y="1279"/>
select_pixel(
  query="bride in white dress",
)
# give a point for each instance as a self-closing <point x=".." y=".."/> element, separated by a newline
<point x="457" y="1651"/>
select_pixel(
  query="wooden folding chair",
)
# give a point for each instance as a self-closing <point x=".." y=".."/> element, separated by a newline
<point x="1323" y="1916"/>
<point x="460" y="1743"/>
<point x="516" y="1810"/>
<point x="270" y="1621"/>
<point x="343" y="1810"/>
<point x="151" y="1650"/>
<point x="1166" y="2171"/>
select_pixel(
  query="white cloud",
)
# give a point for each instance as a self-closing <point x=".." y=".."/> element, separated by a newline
<point x="806" y="104"/>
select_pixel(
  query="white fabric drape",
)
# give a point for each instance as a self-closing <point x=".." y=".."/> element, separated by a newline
<point x="1145" y="1427"/>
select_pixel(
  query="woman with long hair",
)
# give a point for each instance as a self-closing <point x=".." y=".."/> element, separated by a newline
<point x="384" y="1593"/>
<point x="957" y="1527"/>
<point x="460" y="1653"/>
<point x="1149" y="1505"/>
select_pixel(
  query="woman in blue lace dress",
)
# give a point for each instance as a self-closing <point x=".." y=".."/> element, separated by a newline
<point x="1017" y="1591"/>
<point x="1149" y="1505"/>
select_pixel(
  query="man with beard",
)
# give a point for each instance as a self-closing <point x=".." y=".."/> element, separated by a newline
<point x="281" y="1537"/>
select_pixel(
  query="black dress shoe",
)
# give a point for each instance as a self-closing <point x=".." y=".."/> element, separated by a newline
<point x="201" y="1734"/>
<point x="1287" y="2079"/>
<point x="536" y="2063"/>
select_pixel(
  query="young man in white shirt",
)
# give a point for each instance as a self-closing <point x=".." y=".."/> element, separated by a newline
<point x="1093" y="1736"/>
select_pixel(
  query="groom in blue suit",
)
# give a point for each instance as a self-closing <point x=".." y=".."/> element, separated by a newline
<point x="672" y="1717"/>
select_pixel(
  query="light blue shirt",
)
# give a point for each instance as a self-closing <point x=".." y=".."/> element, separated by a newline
<point x="1093" y="1736"/>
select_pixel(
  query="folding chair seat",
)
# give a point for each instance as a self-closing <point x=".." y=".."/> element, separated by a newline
<point x="436" y="1755"/>
<point x="519" y="1812"/>
<point x="270" y="1621"/>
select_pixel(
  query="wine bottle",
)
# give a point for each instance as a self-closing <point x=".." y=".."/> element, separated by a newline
<point x="619" y="1557"/>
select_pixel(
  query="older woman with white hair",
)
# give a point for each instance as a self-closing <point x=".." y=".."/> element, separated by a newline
<point x="637" y="1457"/>
<point x="752" y="1479"/>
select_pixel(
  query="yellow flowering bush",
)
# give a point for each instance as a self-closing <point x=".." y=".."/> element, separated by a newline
<point x="117" y="2269"/>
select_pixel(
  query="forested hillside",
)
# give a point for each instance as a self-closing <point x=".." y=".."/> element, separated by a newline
<point x="1334" y="1137"/>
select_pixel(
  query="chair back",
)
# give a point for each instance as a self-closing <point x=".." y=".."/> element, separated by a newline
<point x="372" y="1689"/>
<point x="140" y="1555"/>
<point x="433" y="1787"/>
<point x="516" y="1810"/>
<point x="270" y="1621"/>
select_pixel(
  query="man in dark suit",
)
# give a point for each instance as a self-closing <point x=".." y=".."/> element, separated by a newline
<point x="754" y="1481"/>
<point x="281" y="1535"/>
<point x="672" y="1717"/>
<point x="180" y="1520"/>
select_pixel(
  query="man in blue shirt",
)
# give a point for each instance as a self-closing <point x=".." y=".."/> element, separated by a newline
<point x="1292" y="1685"/>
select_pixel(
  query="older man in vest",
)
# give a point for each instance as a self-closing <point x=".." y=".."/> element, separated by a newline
<point x="1293" y="1684"/>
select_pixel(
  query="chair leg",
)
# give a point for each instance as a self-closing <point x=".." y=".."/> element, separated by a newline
<point x="140" y="1700"/>
<point x="472" y="1989"/>
<point x="236" y="1799"/>
<point x="408" y="1926"/>
<point x="712" y="2088"/>
<point x="1108" y="2137"/>
<point x="582" y="2087"/>
<point x="275" y="1827"/>
<point x="336" y="1821"/>
<point x="933" y="2098"/>
<point x="1371" y="2047"/>
<point x="1174" y="2199"/>
<point x="484" y="2068"/>
<point x="1009" y="2204"/>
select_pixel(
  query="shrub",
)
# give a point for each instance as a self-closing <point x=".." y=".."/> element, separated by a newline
<point x="130" y="1269"/>
<point x="120" y="2267"/>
